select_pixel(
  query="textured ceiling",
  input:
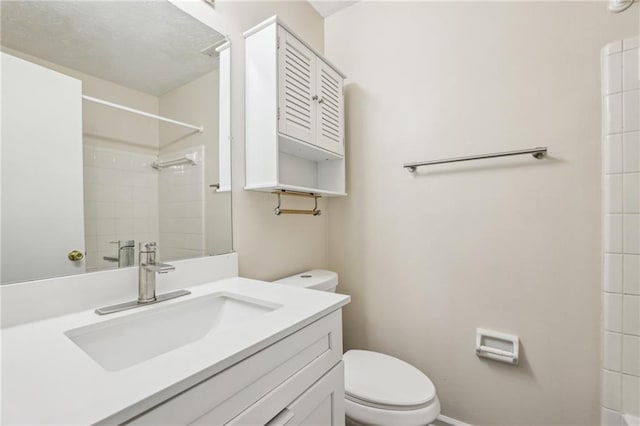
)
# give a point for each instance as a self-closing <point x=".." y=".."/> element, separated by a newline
<point x="329" y="7"/>
<point x="151" y="46"/>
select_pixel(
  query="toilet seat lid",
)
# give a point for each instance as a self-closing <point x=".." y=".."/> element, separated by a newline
<point x="384" y="380"/>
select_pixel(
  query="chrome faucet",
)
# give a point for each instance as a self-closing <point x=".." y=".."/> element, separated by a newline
<point x="148" y="268"/>
<point x="147" y="272"/>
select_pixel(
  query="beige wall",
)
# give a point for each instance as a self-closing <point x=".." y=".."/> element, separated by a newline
<point x="269" y="246"/>
<point x="506" y="244"/>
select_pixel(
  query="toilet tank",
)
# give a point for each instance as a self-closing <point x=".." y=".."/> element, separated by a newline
<point x="317" y="279"/>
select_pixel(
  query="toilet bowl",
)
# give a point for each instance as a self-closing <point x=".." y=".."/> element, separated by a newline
<point x="380" y="390"/>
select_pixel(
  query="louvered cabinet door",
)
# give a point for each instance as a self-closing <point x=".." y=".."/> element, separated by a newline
<point x="296" y="103"/>
<point x="330" y="112"/>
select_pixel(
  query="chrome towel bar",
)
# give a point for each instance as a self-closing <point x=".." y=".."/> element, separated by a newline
<point x="538" y="153"/>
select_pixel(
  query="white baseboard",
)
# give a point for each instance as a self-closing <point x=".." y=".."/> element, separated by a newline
<point x="448" y="421"/>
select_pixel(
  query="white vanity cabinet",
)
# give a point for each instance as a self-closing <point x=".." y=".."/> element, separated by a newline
<point x="297" y="380"/>
<point x="294" y="105"/>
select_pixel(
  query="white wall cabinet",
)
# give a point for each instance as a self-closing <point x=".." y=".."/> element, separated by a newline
<point x="294" y="114"/>
<point x="298" y="380"/>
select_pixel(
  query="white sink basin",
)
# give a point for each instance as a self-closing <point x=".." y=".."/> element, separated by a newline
<point x="122" y="342"/>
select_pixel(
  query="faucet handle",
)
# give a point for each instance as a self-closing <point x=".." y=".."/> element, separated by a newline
<point x="148" y="246"/>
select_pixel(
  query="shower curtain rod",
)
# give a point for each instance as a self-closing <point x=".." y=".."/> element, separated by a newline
<point x="143" y="113"/>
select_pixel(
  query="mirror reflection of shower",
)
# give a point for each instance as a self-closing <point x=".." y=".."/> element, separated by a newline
<point x="128" y="143"/>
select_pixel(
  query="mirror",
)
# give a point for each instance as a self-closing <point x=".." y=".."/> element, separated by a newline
<point x="111" y="135"/>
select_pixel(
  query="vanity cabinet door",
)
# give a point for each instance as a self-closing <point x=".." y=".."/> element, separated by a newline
<point x="255" y="389"/>
<point x="296" y="103"/>
<point x="322" y="404"/>
<point x="330" y="111"/>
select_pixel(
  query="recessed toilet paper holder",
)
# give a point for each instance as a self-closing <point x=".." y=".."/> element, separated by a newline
<point x="497" y="346"/>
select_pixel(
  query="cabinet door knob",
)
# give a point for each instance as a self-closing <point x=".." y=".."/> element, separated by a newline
<point x="314" y="98"/>
<point x="75" y="255"/>
<point x="321" y="100"/>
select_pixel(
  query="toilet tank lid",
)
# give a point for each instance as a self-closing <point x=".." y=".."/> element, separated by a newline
<point x="317" y="279"/>
<point x="381" y="379"/>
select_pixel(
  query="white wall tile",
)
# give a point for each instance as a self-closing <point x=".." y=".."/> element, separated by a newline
<point x="612" y="74"/>
<point x="631" y="193"/>
<point x="193" y="209"/>
<point x="193" y="226"/>
<point x="193" y="242"/>
<point x="142" y="209"/>
<point x="613" y="312"/>
<point x="621" y="312"/>
<point x="87" y="154"/>
<point x="115" y="175"/>
<point x="123" y="195"/>
<point x="89" y="191"/>
<point x="613" y="273"/>
<point x="631" y="233"/>
<point x="106" y="227"/>
<point x="631" y="111"/>
<point x="631" y="395"/>
<point x="142" y="226"/>
<point x="90" y="210"/>
<point x="105" y="210"/>
<point x="89" y="175"/>
<point x="124" y="228"/>
<point x="91" y="243"/>
<point x="613" y="233"/>
<point x="630" y="152"/>
<point x="106" y="193"/>
<point x="631" y="314"/>
<point x="631" y="355"/>
<point x="613" y="193"/>
<point x="91" y="261"/>
<point x="90" y="227"/>
<point x="613" y="114"/>
<point x="125" y="178"/>
<point x="612" y="353"/>
<point x="611" y="389"/>
<point x="613" y="154"/>
<point x="630" y="76"/>
<point x="105" y="244"/>
<point x="631" y="274"/>
<point x="610" y="418"/>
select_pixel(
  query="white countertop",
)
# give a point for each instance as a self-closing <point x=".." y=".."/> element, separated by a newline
<point x="47" y="379"/>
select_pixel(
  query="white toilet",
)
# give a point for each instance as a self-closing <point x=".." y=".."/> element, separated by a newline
<point x="380" y="390"/>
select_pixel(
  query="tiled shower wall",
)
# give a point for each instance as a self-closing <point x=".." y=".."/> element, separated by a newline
<point x="621" y="281"/>
<point x="182" y="206"/>
<point x="121" y="202"/>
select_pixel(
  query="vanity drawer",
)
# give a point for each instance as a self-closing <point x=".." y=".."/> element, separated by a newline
<point x="313" y="350"/>
<point x="320" y="404"/>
